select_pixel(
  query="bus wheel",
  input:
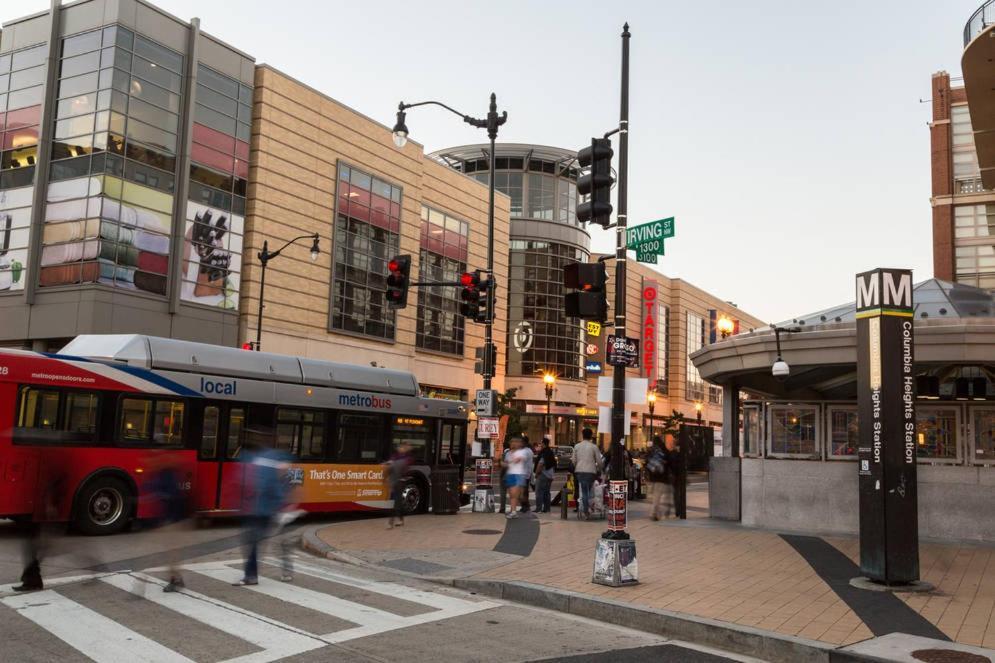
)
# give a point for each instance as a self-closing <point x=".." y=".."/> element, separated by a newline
<point x="413" y="496"/>
<point x="103" y="506"/>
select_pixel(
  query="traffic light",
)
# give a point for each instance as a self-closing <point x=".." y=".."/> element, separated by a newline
<point x="596" y="183"/>
<point x="398" y="281"/>
<point x="477" y="296"/>
<point x="481" y="359"/>
<point x="588" y="280"/>
<point x="249" y="345"/>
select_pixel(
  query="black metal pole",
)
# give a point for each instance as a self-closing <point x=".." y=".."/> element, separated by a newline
<point x="549" y="407"/>
<point x="618" y="372"/>
<point x="264" y="259"/>
<point x="651" y="423"/>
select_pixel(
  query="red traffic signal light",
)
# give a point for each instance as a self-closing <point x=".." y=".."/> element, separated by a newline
<point x="249" y="345"/>
<point x="477" y="296"/>
<point x="590" y="279"/>
<point x="398" y="281"/>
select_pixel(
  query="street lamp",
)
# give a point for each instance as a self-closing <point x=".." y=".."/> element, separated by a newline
<point x="264" y="257"/>
<point x="698" y="405"/>
<point x="490" y="123"/>
<point x="651" y="402"/>
<point x="725" y="325"/>
<point x="550" y="381"/>
<point x="780" y="369"/>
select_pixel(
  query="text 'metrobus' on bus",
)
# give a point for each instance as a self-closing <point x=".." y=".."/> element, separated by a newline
<point x="87" y="423"/>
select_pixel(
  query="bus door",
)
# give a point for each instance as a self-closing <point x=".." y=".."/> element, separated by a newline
<point x="220" y="474"/>
<point x="451" y="445"/>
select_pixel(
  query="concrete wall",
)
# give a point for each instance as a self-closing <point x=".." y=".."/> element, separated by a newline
<point x="955" y="502"/>
<point x="724" y="487"/>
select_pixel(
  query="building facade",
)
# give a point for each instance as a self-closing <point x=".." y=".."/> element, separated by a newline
<point x="672" y="319"/>
<point x="124" y="175"/>
<point x="544" y="235"/>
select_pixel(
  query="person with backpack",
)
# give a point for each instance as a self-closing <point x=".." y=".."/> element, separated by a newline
<point x="267" y="490"/>
<point x="545" y="471"/>
<point x="659" y="473"/>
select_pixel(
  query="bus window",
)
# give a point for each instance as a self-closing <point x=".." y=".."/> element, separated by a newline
<point x="236" y="421"/>
<point x="145" y="420"/>
<point x="418" y="433"/>
<point x="451" y="444"/>
<point x="47" y="415"/>
<point x="81" y="413"/>
<point x="209" y="437"/>
<point x="300" y="433"/>
<point x="39" y="409"/>
<point x="359" y="438"/>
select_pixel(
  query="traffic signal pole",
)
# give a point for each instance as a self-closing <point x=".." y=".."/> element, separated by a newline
<point x="618" y="372"/>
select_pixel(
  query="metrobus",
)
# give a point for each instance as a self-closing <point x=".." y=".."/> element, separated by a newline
<point x="92" y="423"/>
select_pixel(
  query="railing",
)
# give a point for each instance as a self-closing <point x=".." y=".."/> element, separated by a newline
<point x="969" y="185"/>
<point x="981" y="19"/>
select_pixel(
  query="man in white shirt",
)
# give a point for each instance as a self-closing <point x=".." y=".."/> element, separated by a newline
<point x="519" y="461"/>
<point x="587" y="464"/>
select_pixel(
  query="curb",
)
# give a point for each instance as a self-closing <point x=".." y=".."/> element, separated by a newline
<point x="744" y="640"/>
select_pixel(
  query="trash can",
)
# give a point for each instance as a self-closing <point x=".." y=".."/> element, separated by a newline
<point x="445" y="490"/>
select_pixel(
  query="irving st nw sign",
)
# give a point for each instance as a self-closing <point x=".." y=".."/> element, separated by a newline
<point x="886" y="471"/>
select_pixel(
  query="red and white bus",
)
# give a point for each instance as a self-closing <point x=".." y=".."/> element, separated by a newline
<point x="98" y="415"/>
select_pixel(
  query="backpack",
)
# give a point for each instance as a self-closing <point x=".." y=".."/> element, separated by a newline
<point x="657" y="464"/>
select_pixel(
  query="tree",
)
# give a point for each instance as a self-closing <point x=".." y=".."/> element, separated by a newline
<point x="672" y="424"/>
<point x="514" y="415"/>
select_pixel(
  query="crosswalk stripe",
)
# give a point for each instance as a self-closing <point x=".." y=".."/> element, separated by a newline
<point x="98" y="637"/>
<point x="438" y="601"/>
<point x="276" y="639"/>
<point x="357" y="613"/>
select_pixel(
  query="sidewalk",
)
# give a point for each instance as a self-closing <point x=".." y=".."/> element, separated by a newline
<point x="789" y="585"/>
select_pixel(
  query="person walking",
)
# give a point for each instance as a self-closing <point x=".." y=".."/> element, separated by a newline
<point x="519" y="462"/>
<point x="677" y="462"/>
<point x="527" y="444"/>
<point x="658" y="473"/>
<point x="396" y="468"/>
<point x="267" y="485"/>
<point x="545" y="471"/>
<point x="37" y="533"/>
<point x="587" y="463"/>
<point x="172" y="505"/>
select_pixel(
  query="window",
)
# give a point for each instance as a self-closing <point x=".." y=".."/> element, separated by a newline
<point x="663" y="348"/>
<point x="236" y="424"/>
<point x="417" y="433"/>
<point x="714" y="395"/>
<point x="936" y="433"/>
<point x="53" y="416"/>
<point x="751" y="430"/>
<point x="301" y="433"/>
<point x="366" y="236"/>
<point x="442" y="259"/>
<point x="542" y="196"/>
<point x="843" y="432"/>
<point x="209" y="437"/>
<point x="974" y="221"/>
<point x="39" y="409"/>
<point x="360" y="438"/>
<point x="983" y="425"/>
<point x="157" y="422"/>
<point x="695" y="340"/>
<point x="793" y="431"/>
<point x="540" y="336"/>
<point x="451" y="446"/>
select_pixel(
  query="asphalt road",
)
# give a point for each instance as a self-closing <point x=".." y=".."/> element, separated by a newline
<point x="104" y="602"/>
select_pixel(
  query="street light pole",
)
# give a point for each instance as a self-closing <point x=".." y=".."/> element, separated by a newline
<point x="264" y="257"/>
<point x="618" y="373"/>
<point x="549" y="379"/>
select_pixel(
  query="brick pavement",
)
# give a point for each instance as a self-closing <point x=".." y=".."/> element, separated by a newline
<point x="699" y="567"/>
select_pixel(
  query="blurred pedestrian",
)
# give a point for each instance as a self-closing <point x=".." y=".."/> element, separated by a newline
<point x="519" y="462"/>
<point x="267" y="486"/>
<point x="658" y="472"/>
<point x="545" y="471"/>
<point x="397" y="468"/>
<point x="527" y="445"/>
<point x="171" y="504"/>
<point x="587" y="463"/>
<point x="677" y="461"/>
<point x="50" y="490"/>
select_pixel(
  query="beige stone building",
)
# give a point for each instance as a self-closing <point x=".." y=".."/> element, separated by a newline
<point x="320" y="167"/>
<point x="671" y="318"/>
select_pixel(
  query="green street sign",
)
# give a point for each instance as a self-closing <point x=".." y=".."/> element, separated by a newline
<point x="653" y="232"/>
<point x="646" y="256"/>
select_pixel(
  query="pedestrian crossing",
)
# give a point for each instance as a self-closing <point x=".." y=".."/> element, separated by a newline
<point x="261" y="617"/>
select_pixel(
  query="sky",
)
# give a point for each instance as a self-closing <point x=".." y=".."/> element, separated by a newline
<point x="789" y="139"/>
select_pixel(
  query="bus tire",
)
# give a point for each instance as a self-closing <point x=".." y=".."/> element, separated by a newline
<point x="103" y="506"/>
<point x="414" y="495"/>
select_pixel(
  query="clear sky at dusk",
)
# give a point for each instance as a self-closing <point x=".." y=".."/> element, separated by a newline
<point x="788" y="138"/>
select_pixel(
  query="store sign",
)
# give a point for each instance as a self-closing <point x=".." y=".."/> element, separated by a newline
<point x="623" y="351"/>
<point x="593" y="367"/>
<point x="488" y="427"/>
<point x="523" y="337"/>
<point x="593" y="328"/>
<point x="886" y="474"/>
<point x="592" y="349"/>
<point x="650" y="319"/>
